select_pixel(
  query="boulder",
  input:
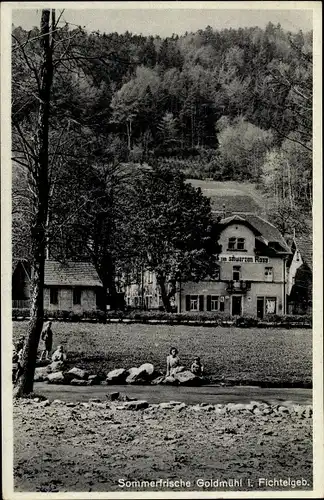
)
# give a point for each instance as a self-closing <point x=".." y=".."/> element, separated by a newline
<point x="78" y="381"/>
<point x="146" y="369"/>
<point x="169" y="405"/>
<point x="187" y="378"/>
<point x="117" y="376"/>
<point x="78" y="373"/>
<point x="135" y="405"/>
<point x="93" y="380"/>
<point x="114" y="396"/>
<point x="55" y="366"/>
<point x="41" y="374"/>
<point x="137" y="378"/>
<point x="56" y="378"/>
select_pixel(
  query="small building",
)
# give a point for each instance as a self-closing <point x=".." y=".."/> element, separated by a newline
<point x="70" y="286"/>
<point x="300" y="276"/>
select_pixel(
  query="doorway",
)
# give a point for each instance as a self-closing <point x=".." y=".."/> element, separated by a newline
<point x="260" y="307"/>
<point x="236" y="305"/>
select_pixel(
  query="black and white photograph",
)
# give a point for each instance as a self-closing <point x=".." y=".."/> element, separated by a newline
<point x="161" y="226"/>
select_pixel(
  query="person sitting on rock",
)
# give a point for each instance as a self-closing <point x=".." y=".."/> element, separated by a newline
<point x="196" y="367"/>
<point x="173" y="363"/>
<point x="59" y="354"/>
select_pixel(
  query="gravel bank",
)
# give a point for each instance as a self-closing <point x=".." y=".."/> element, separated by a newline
<point x="91" y="446"/>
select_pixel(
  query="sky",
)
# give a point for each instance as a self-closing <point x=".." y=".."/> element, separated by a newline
<point x="165" y="22"/>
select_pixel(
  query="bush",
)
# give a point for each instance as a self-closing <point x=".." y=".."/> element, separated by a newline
<point x="247" y="321"/>
<point x="18" y="313"/>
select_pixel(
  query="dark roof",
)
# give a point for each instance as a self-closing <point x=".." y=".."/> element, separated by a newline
<point x="268" y="232"/>
<point x="71" y="274"/>
<point x="305" y="247"/>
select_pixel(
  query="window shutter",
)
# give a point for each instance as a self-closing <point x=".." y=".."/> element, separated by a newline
<point x="201" y="302"/>
<point x="208" y="302"/>
<point x="187" y="302"/>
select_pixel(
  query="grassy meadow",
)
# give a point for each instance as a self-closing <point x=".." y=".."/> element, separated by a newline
<point x="268" y="356"/>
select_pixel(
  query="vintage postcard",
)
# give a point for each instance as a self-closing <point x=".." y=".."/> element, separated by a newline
<point x="161" y="250"/>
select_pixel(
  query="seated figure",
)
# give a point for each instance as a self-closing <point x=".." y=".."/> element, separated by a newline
<point x="59" y="354"/>
<point x="196" y="367"/>
<point x="173" y="363"/>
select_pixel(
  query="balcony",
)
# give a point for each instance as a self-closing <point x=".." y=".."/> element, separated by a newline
<point x="241" y="286"/>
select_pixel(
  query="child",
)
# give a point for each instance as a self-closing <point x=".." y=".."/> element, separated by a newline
<point x="47" y="337"/>
<point x="59" y="354"/>
<point x="173" y="362"/>
<point x="197" y="368"/>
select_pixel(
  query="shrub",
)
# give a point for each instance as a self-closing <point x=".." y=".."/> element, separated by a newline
<point x="247" y="321"/>
<point x="17" y="313"/>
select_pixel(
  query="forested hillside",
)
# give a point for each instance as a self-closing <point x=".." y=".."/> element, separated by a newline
<point x="230" y="105"/>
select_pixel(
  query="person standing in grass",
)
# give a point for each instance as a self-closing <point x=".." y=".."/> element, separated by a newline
<point x="47" y="338"/>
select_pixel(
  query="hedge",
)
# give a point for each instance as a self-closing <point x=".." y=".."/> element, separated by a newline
<point x="173" y="318"/>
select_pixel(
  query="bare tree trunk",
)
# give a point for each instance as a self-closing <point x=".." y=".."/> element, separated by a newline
<point x="164" y="294"/>
<point x="39" y="181"/>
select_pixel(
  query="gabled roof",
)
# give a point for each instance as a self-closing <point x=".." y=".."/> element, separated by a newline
<point x="264" y="230"/>
<point x="71" y="274"/>
<point x="305" y="247"/>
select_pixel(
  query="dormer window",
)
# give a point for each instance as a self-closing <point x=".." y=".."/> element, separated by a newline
<point x="236" y="243"/>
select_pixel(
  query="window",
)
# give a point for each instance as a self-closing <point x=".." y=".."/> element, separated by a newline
<point x="231" y="243"/>
<point x="270" y="305"/>
<point x="193" y="302"/>
<point x="215" y="303"/>
<point x="54" y="296"/>
<point x="236" y="243"/>
<point x="150" y="277"/>
<point x="76" y="296"/>
<point x="148" y="301"/>
<point x="268" y="274"/>
<point x="240" y="243"/>
<point x="236" y="273"/>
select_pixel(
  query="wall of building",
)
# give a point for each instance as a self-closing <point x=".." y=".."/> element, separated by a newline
<point x="145" y="294"/>
<point x="253" y="271"/>
<point x="249" y="299"/>
<point x="65" y="300"/>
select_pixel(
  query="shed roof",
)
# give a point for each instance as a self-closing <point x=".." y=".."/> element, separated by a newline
<point x="71" y="274"/>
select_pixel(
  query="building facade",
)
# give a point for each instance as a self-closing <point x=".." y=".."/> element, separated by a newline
<point x="73" y="286"/>
<point x="251" y="278"/>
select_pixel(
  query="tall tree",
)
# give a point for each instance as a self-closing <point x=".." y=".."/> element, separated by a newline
<point x="172" y="229"/>
<point x="38" y="182"/>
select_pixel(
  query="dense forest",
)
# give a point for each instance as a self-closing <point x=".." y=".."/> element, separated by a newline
<point x="226" y="105"/>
